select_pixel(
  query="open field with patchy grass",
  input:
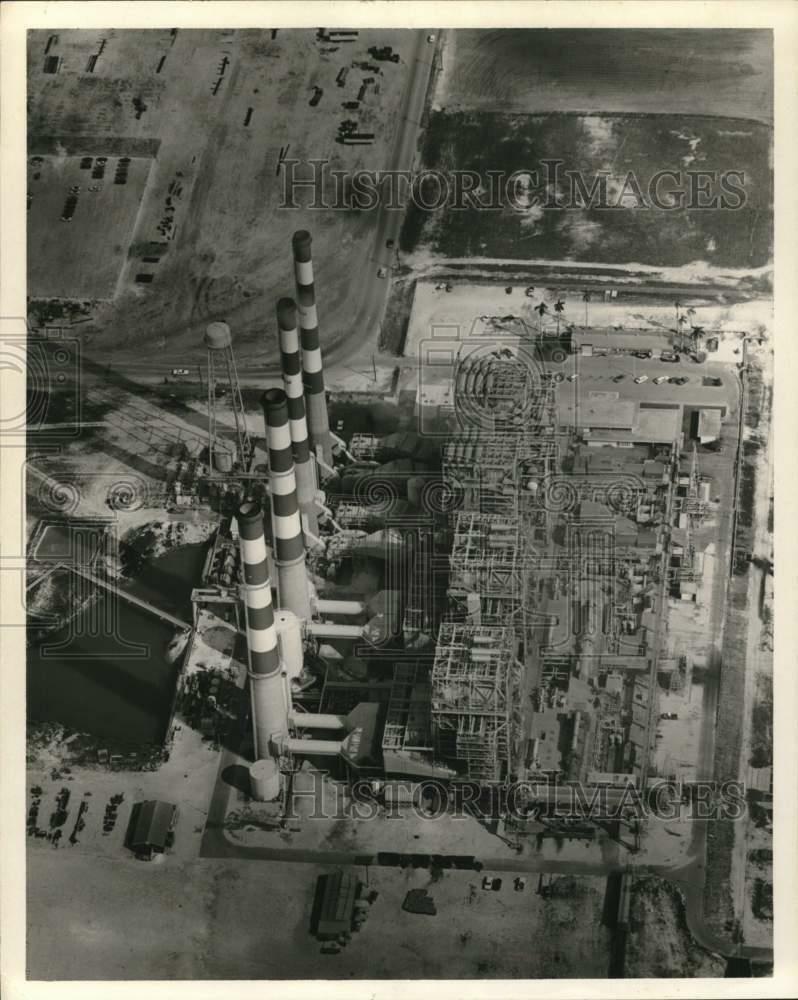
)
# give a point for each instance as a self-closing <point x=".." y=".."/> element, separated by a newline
<point x="538" y="219"/>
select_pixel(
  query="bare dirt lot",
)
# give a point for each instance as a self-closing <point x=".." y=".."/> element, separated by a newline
<point x="105" y="928"/>
<point x="81" y="258"/>
<point x="219" y="107"/>
<point x="659" y="943"/>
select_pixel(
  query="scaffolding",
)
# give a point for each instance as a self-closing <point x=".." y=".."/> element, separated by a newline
<point x="475" y="700"/>
<point x="489" y="559"/>
<point x="482" y="470"/>
<point x="408" y="722"/>
<point x="364" y="447"/>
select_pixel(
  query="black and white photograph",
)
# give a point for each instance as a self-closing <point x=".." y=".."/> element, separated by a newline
<point x="393" y="594"/>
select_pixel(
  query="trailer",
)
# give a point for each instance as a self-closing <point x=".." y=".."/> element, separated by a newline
<point x="357" y="139"/>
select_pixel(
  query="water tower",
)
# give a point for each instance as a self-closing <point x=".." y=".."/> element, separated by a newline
<point x="223" y="381"/>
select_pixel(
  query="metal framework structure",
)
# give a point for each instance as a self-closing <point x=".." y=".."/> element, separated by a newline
<point x="482" y="468"/>
<point x="408" y="721"/>
<point x="489" y="558"/>
<point x="364" y="446"/>
<point x="222" y="368"/>
<point x="475" y="711"/>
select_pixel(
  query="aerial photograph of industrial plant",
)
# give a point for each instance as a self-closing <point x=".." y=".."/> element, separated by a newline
<point x="399" y="503"/>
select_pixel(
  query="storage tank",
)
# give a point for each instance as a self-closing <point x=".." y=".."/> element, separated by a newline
<point x="289" y="642"/>
<point x="223" y="455"/>
<point x="264" y="780"/>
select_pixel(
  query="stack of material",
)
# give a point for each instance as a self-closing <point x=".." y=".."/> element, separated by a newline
<point x="418" y="901"/>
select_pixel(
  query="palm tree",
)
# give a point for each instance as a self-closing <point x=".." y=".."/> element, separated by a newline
<point x="697" y="333"/>
<point x="559" y="305"/>
<point x="541" y="309"/>
<point x="586" y="298"/>
<point x="681" y="319"/>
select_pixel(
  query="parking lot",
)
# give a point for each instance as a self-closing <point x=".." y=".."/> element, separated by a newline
<point x="81" y="255"/>
<point x="602" y="374"/>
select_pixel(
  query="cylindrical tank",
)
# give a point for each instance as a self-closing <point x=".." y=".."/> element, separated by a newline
<point x="289" y="642"/>
<point x="264" y="780"/>
<point x="223" y="456"/>
<point x="218" y="337"/>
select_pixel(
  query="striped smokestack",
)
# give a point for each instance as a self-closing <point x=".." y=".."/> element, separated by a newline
<point x="291" y="362"/>
<point x="267" y="689"/>
<point x="312" y="371"/>
<point x="289" y="544"/>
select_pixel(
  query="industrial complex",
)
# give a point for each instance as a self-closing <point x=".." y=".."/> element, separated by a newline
<point x="414" y="542"/>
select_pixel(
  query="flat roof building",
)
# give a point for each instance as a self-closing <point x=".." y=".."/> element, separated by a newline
<point x="604" y="418"/>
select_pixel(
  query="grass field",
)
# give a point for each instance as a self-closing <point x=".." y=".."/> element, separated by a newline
<point x="485" y="142"/>
<point x="82" y="258"/>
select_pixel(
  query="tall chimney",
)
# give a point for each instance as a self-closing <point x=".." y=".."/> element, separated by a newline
<point x="312" y="371"/>
<point x="267" y="690"/>
<point x="304" y="465"/>
<point x="289" y="546"/>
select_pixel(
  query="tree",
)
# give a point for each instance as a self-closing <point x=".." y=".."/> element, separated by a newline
<point x="541" y="309"/>
<point x="586" y="298"/>
<point x="559" y="306"/>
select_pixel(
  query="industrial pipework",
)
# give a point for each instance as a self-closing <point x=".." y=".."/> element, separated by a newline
<point x="290" y="360"/>
<point x="293" y="586"/>
<point x="266" y="684"/>
<point x="312" y="370"/>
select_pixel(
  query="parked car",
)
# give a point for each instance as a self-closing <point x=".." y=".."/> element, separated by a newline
<point x="382" y="272"/>
<point x="619" y="378"/>
<point x="669" y="715"/>
<point x="645" y="355"/>
<point x="670" y="356"/>
<point x="660" y="379"/>
<point x="180" y="371"/>
<point x="641" y="378"/>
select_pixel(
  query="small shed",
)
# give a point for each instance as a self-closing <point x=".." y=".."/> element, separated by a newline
<point x="151" y="826"/>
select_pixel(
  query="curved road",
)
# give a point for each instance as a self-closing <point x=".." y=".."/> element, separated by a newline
<point x="371" y="292"/>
